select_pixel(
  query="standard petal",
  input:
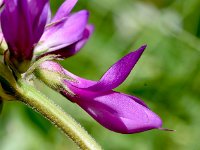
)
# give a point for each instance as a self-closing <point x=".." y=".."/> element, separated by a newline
<point x="115" y="111"/>
<point x="65" y="32"/>
<point x="72" y="49"/>
<point x="118" y="72"/>
<point x="64" y="10"/>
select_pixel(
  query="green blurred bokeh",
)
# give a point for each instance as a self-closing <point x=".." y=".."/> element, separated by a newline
<point x="167" y="77"/>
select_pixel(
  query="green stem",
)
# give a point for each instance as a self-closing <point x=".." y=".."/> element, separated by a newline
<point x="30" y="96"/>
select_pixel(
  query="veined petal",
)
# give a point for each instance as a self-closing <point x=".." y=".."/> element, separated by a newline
<point x="72" y="49"/>
<point x="115" y="111"/>
<point x="65" y="32"/>
<point x="64" y="10"/>
<point x="118" y="72"/>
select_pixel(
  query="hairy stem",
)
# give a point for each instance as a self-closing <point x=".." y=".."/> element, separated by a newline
<point x="32" y="97"/>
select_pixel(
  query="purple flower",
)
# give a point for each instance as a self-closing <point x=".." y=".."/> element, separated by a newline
<point x="29" y="30"/>
<point x="116" y="111"/>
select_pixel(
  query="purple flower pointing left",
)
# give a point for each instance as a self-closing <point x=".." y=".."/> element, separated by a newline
<point x="116" y="111"/>
<point x="29" y="30"/>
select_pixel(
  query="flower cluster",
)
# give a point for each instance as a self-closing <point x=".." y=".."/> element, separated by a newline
<point x="31" y="33"/>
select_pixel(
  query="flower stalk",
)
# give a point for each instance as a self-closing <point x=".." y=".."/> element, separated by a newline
<point x="36" y="100"/>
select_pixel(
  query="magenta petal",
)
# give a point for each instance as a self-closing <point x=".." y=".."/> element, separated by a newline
<point x="64" y="10"/>
<point x="118" y="72"/>
<point x="65" y="32"/>
<point x="116" y="111"/>
<point x="75" y="47"/>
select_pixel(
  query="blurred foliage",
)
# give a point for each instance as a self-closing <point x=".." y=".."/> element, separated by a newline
<point x="167" y="77"/>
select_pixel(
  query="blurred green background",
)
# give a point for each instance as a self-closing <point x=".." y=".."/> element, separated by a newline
<point x="167" y="77"/>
